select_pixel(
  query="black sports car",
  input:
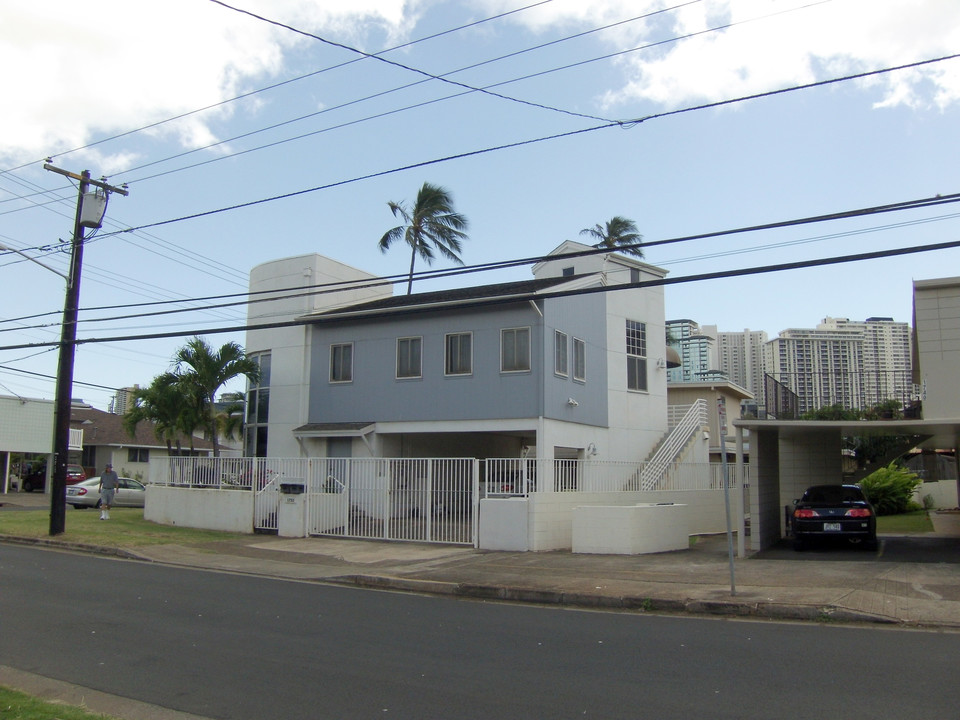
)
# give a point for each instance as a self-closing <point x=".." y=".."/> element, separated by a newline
<point x="834" y="511"/>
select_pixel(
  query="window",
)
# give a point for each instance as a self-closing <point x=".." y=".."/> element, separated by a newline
<point x="138" y="455"/>
<point x="514" y="349"/>
<point x="634" y="275"/>
<point x="341" y="362"/>
<point x="567" y="271"/>
<point x="636" y="355"/>
<point x="579" y="359"/>
<point x="459" y="354"/>
<point x="560" y="353"/>
<point x="258" y="409"/>
<point x="409" y="357"/>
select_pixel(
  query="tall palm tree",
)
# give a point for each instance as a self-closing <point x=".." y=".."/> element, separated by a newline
<point x="202" y="371"/>
<point x="161" y="404"/>
<point x="430" y="223"/>
<point x="615" y="234"/>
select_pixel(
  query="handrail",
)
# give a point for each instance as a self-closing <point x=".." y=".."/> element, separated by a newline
<point x="670" y="449"/>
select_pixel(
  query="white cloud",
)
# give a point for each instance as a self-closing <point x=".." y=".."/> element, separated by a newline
<point x="767" y="48"/>
<point x="75" y="72"/>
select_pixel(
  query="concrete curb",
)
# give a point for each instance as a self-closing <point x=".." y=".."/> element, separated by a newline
<point x="728" y="608"/>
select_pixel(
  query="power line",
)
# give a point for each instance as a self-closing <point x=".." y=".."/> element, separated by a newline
<point x="409" y="68"/>
<point x="338" y="286"/>
<point x="282" y="83"/>
<point x="335" y="316"/>
<point x="532" y="141"/>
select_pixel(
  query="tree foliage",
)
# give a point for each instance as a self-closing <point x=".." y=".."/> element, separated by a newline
<point x="431" y="224"/>
<point x="618" y="233"/>
<point x="181" y="401"/>
<point x="890" y="489"/>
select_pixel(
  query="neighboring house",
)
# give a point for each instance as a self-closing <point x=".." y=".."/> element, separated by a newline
<point x="546" y="368"/>
<point x="96" y="438"/>
<point x="105" y="440"/>
<point x="720" y="393"/>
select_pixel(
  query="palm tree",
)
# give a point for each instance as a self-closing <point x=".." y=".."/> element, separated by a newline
<point x="161" y="404"/>
<point x="431" y="223"/>
<point x="615" y="234"/>
<point x="203" y="371"/>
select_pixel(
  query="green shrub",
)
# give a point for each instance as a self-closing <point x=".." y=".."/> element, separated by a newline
<point x="890" y="489"/>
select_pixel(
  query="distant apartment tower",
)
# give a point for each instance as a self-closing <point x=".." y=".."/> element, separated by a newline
<point x="741" y="358"/>
<point x="697" y="348"/>
<point x="853" y="364"/>
<point x="123" y="400"/>
<point x="887" y="362"/>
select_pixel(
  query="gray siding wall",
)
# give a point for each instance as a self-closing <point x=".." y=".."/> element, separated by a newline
<point x="377" y="395"/>
<point x="582" y="317"/>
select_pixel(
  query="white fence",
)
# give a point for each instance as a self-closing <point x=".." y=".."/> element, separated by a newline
<point x="423" y="499"/>
<point x="512" y="477"/>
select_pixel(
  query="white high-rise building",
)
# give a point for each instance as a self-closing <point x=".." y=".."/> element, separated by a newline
<point x="740" y="355"/>
<point x="697" y="348"/>
<point x="123" y="400"/>
<point x="854" y="364"/>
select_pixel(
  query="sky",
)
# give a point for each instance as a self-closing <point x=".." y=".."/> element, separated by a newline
<point x="261" y="130"/>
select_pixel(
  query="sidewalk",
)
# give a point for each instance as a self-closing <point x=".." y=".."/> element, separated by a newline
<point x="911" y="581"/>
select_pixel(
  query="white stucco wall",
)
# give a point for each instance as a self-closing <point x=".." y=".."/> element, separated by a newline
<point x="226" y="510"/>
<point x="936" y="311"/>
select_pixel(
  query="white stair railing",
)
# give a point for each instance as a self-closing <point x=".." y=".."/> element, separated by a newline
<point x="670" y="449"/>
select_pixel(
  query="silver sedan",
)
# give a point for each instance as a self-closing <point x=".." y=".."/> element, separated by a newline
<point x="131" y="493"/>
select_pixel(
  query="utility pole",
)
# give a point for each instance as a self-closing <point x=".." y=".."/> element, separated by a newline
<point x="89" y="216"/>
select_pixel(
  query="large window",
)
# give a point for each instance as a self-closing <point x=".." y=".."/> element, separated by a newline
<point x="579" y="360"/>
<point x="636" y="355"/>
<point x="258" y="409"/>
<point x="560" y="360"/>
<point x="409" y="364"/>
<point x="138" y="455"/>
<point x="341" y="362"/>
<point x="458" y="354"/>
<point x="514" y="349"/>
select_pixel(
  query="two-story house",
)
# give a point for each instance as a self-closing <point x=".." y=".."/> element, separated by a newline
<point x="568" y="364"/>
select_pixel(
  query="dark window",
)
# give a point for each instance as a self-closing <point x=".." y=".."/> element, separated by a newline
<point x="409" y="357"/>
<point x="341" y="362"/>
<point x="514" y="349"/>
<point x="459" y="354"/>
<point x="560" y="359"/>
<point x="636" y="355"/>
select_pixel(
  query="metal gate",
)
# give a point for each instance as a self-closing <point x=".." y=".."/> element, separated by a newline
<point x="416" y="499"/>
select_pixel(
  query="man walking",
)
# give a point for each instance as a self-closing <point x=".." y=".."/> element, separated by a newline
<point x="109" y="482"/>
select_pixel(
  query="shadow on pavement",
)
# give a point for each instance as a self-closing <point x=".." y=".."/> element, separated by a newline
<point x="893" y="549"/>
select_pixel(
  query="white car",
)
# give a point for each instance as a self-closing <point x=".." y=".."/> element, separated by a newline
<point x="131" y="493"/>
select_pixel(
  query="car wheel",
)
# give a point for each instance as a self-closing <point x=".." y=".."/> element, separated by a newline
<point x="28" y="486"/>
<point x="99" y="503"/>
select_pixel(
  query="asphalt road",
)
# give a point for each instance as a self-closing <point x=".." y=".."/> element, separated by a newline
<point x="247" y="648"/>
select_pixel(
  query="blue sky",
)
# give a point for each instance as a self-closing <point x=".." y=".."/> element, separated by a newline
<point x="83" y="77"/>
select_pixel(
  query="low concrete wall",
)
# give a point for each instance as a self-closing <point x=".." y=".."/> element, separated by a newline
<point x="503" y="524"/>
<point x="943" y="493"/>
<point x="227" y="510"/>
<point x="630" y="529"/>
<point x="551" y="514"/>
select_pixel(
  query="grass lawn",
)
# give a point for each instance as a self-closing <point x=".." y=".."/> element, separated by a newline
<point x="125" y="528"/>
<point x="18" y="706"/>
<point x="917" y="521"/>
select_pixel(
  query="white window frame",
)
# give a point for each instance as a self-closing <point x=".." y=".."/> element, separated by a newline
<point x="333" y="348"/>
<point x="636" y="344"/>
<point x="561" y="355"/>
<point x="516" y="331"/>
<point x="579" y="360"/>
<point x="419" y="368"/>
<point x="446" y="355"/>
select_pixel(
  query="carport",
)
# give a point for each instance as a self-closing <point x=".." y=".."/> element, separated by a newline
<point x="787" y="456"/>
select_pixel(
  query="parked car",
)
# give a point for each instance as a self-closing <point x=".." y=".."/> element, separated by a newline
<point x="826" y="512"/>
<point x="131" y="493"/>
<point x="38" y="478"/>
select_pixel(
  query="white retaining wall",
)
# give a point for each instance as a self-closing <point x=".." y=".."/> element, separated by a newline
<point x="227" y="510"/>
<point x="548" y="517"/>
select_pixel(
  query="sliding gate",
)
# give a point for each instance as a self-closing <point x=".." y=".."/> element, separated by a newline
<point x="416" y="499"/>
